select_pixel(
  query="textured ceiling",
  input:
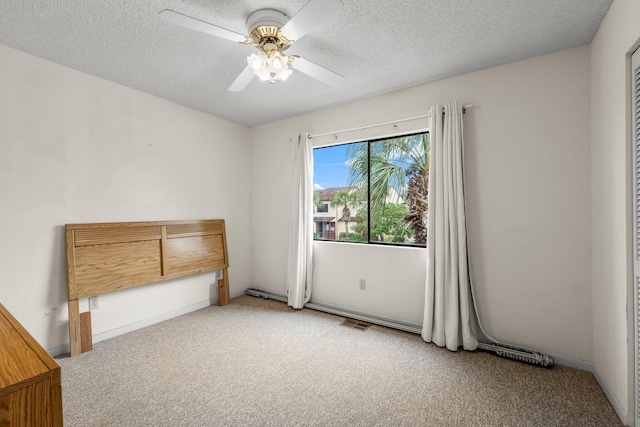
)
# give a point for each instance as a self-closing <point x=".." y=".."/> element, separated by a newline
<point x="378" y="45"/>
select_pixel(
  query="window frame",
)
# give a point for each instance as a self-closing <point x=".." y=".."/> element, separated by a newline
<point x="369" y="142"/>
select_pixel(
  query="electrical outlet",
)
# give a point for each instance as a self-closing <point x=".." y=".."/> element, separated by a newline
<point x="93" y="303"/>
<point x="363" y="285"/>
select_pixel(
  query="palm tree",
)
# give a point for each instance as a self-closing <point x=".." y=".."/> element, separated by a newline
<point x="417" y="202"/>
<point x="317" y="203"/>
<point x="347" y="200"/>
<point x="401" y="164"/>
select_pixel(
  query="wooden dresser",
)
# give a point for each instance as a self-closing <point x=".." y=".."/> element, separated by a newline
<point x="30" y="390"/>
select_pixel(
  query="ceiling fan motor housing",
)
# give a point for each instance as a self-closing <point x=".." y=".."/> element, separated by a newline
<point x="264" y="26"/>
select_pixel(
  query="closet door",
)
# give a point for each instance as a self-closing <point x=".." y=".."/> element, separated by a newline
<point x="635" y="123"/>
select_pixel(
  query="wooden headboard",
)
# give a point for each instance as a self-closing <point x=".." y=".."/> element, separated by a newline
<point x="106" y="257"/>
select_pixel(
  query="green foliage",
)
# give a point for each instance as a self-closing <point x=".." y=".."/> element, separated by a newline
<point x="316" y="200"/>
<point x="346" y="199"/>
<point x="387" y="224"/>
<point x="353" y="237"/>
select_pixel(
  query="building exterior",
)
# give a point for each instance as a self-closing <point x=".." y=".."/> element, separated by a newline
<point x="328" y="220"/>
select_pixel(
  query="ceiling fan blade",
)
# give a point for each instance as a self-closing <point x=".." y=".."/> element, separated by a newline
<point x="196" y="24"/>
<point x="317" y="72"/>
<point x="309" y="17"/>
<point x="242" y="81"/>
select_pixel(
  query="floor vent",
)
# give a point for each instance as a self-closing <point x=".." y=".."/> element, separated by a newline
<point x="355" y="324"/>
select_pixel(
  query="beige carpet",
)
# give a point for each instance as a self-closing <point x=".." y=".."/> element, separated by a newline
<point x="259" y="363"/>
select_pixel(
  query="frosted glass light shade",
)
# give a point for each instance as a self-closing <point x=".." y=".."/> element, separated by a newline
<point x="270" y="66"/>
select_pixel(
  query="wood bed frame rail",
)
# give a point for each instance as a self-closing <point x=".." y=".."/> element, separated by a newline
<point x="106" y="257"/>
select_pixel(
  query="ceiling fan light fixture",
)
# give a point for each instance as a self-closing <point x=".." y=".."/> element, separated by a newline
<point x="270" y="66"/>
<point x="279" y="61"/>
<point x="257" y="61"/>
<point x="284" y="74"/>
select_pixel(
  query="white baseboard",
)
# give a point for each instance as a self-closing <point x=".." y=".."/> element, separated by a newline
<point x="65" y="348"/>
<point x="59" y="350"/>
<point x="150" y="321"/>
<point x="570" y="362"/>
<point x="585" y="365"/>
<point x="624" y="416"/>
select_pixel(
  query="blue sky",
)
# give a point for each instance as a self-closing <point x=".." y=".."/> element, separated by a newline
<point x="329" y="167"/>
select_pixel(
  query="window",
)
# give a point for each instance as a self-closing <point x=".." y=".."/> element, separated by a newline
<point x="373" y="191"/>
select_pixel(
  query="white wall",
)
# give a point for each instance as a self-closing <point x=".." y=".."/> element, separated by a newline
<point x="610" y="180"/>
<point x="75" y="148"/>
<point x="527" y="158"/>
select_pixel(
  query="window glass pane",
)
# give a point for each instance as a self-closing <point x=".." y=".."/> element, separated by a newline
<point x="398" y="180"/>
<point x="336" y="203"/>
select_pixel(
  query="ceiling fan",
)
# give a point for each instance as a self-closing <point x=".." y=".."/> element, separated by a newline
<point x="271" y="32"/>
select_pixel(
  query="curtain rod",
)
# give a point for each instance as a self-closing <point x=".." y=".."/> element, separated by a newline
<point x="464" y="107"/>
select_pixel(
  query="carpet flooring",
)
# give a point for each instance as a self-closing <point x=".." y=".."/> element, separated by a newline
<point x="258" y="362"/>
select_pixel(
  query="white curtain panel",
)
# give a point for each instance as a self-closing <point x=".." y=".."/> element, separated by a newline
<point x="300" y="266"/>
<point x="448" y="304"/>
